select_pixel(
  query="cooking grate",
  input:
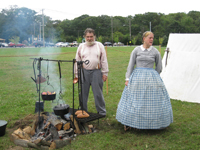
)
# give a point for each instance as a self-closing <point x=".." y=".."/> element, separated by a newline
<point x="92" y="117"/>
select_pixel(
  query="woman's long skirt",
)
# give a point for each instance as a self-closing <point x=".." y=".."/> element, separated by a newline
<point x="145" y="103"/>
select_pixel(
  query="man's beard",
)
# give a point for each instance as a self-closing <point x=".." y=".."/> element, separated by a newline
<point x="90" y="43"/>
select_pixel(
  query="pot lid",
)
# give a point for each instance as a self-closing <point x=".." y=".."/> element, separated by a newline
<point x="3" y="122"/>
<point x="61" y="106"/>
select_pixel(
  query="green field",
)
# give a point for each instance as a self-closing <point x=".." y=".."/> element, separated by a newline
<point x="18" y="96"/>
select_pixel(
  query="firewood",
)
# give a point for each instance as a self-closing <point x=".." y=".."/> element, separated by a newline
<point x="47" y="125"/>
<point x="21" y="142"/>
<point x="66" y="126"/>
<point x="62" y="133"/>
<point x="44" y="147"/>
<point x="34" y="126"/>
<point x="63" y="121"/>
<point x="21" y="134"/>
<point x="62" y="143"/>
<point x="40" y="142"/>
<point x="14" y="137"/>
<point x="45" y="143"/>
<point x="33" y="145"/>
<point x="37" y="141"/>
<point x="59" y="126"/>
<point x="49" y="137"/>
<point x="27" y="130"/>
<point x="76" y="125"/>
<point x="57" y="123"/>
<point x="90" y="128"/>
<point x="54" y="133"/>
<point x="86" y="128"/>
<point x="45" y="116"/>
<point x="53" y="145"/>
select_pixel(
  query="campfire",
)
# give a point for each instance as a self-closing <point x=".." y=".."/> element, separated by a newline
<point x="50" y="132"/>
<point x="53" y="130"/>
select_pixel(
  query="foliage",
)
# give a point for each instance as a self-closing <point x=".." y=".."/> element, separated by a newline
<point x="161" y="40"/>
<point x="79" y="39"/>
<point x="134" y="40"/>
<point x="26" y="24"/>
<point x="100" y="39"/>
<point x="15" y="39"/>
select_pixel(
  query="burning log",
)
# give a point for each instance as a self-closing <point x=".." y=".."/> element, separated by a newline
<point x="49" y="132"/>
<point x="64" y="133"/>
<point x="49" y="137"/>
<point x="56" y="122"/>
<point x="43" y="142"/>
<point x="47" y="125"/>
<point x="54" y="133"/>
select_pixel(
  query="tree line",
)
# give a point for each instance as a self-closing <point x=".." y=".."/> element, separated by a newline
<point x="26" y="25"/>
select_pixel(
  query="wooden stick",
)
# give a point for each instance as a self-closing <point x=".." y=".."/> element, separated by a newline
<point x="76" y="125"/>
<point x="160" y="49"/>
<point x="107" y="77"/>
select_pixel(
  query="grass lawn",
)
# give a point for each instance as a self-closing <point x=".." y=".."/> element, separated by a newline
<point x="18" y="95"/>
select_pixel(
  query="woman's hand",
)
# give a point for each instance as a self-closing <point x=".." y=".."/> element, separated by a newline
<point x="126" y="83"/>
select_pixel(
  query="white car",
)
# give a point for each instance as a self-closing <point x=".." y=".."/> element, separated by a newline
<point x="3" y="45"/>
<point x="58" y="44"/>
<point x="66" y="44"/>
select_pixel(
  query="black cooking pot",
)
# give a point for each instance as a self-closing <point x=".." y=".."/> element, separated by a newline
<point x="61" y="110"/>
<point x="3" y="125"/>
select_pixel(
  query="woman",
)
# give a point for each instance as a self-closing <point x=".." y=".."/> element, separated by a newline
<point x="145" y="103"/>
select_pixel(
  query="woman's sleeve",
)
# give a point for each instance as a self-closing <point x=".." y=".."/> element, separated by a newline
<point x="158" y="61"/>
<point x="131" y="64"/>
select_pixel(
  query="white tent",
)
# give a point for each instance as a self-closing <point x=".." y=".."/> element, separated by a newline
<point x="181" y="75"/>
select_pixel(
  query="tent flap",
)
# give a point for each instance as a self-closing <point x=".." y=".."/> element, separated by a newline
<point x="182" y="73"/>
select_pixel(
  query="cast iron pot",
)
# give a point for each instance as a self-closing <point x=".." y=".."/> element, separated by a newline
<point x="3" y="125"/>
<point x="61" y="110"/>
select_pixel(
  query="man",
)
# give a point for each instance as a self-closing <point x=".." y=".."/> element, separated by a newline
<point x="95" y="73"/>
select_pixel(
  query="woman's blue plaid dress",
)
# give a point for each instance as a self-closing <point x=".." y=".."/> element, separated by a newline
<point x="145" y="103"/>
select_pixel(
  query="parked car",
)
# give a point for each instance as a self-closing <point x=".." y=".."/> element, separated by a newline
<point x="58" y="44"/>
<point x="11" y="44"/>
<point x="38" y="43"/>
<point x="49" y="44"/>
<point x="64" y="44"/>
<point x="16" y="45"/>
<point x="20" y="45"/>
<point x="3" y="45"/>
<point x="118" y="44"/>
<point x="74" y="44"/>
<point x="107" y="44"/>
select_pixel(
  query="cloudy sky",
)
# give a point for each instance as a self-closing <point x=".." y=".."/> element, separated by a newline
<point x="60" y="9"/>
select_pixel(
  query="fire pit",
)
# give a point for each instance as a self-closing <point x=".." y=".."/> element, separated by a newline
<point x="50" y="132"/>
<point x="54" y="130"/>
